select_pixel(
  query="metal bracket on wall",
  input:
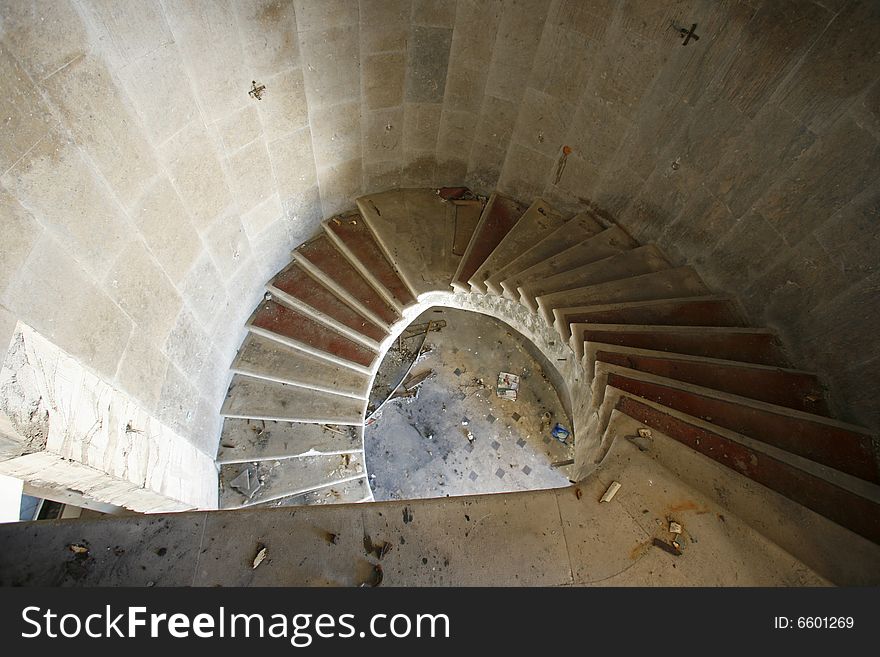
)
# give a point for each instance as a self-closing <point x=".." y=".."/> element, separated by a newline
<point x="686" y="34"/>
<point x="256" y="90"/>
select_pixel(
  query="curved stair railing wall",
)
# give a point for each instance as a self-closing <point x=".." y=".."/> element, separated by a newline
<point x="629" y="334"/>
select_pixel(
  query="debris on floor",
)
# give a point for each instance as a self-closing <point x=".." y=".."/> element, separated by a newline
<point x="409" y="386"/>
<point x="475" y="385"/>
<point x="546" y="418"/>
<point x="262" y="550"/>
<point x="562" y="464"/>
<point x="452" y="193"/>
<point x="507" y="387"/>
<point x="645" y="433"/>
<point x="378" y="549"/>
<point x="560" y="433"/>
<point x="376" y="577"/>
<point x="247" y="482"/>
<point x="416" y="448"/>
<point x="409" y="349"/>
<point x="674" y="527"/>
<point x="78" y="549"/>
<point x="422" y="328"/>
<point x="666" y="547"/>
<point x="610" y="492"/>
<point x="414" y="380"/>
<point x="643" y="443"/>
<point x="345" y="469"/>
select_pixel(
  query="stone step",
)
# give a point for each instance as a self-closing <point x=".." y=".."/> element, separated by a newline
<point x="609" y="242"/>
<point x="638" y="261"/>
<point x="304" y="332"/>
<point x="536" y="223"/>
<point x="834" y="444"/>
<point x="855" y="507"/>
<point x="782" y="387"/>
<point x="263" y="358"/>
<point x="353" y="237"/>
<point x="246" y="441"/>
<point x="347" y="492"/>
<point x="415" y="228"/>
<point x="821" y="517"/>
<point x="666" y="284"/>
<point x="689" y="311"/>
<point x="272" y="480"/>
<point x="748" y="345"/>
<point x="259" y="399"/>
<point x="327" y="264"/>
<point x="294" y="287"/>
<point x="573" y="231"/>
<point x="499" y="216"/>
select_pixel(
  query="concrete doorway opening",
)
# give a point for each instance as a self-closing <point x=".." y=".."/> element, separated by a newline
<point x="446" y="430"/>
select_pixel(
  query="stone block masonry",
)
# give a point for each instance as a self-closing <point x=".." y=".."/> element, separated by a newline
<point x="145" y="198"/>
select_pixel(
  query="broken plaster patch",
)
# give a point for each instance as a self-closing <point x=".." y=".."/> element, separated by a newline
<point x="50" y="403"/>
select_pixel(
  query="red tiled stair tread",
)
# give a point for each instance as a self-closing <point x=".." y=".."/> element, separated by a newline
<point x="297" y="283"/>
<point x="835" y="447"/>
<point x="467" y="216"/>
<point x="852" y="511"/>
<point x="760" y="348"/>
<point x="292" y="324"/>
<point x="356" y="236"/>
<point x="322" y="254"/>
<point x="683" y="312"/>
<point x="797" y="390"/>
<point x="503" y="216"/>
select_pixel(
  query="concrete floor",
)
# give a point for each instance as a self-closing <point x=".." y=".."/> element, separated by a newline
<point x="419" y="447"/>
<point x="559" y="537"/>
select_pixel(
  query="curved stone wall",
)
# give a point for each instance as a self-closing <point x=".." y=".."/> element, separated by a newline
<point x="146" y="197"/>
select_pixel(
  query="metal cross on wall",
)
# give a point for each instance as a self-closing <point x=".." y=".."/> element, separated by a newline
<point x="256" y="90"/>
<point x="688" y="34"/>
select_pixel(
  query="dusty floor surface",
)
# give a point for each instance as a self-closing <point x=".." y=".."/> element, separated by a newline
<point x="419" y="447"/>
<point x="560" y="537"/>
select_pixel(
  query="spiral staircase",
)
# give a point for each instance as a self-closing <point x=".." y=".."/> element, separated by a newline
<point x="700" y="418"/>
<point x="636" y="341"/>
